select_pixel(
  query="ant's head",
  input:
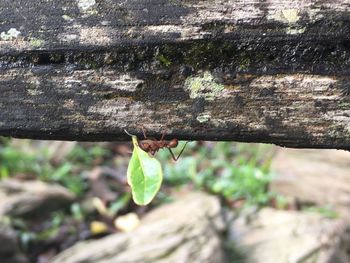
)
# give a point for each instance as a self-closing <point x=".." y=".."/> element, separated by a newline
<point x="144" y="146"/>
<point x="173" y="143"/>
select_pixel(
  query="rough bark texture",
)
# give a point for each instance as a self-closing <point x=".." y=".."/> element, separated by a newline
<point x="258" y="70"/>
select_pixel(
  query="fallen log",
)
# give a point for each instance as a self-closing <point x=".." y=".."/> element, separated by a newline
<point x="259" y="71"/>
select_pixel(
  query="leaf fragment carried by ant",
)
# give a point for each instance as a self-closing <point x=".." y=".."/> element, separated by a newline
<point x="144" y="175"/>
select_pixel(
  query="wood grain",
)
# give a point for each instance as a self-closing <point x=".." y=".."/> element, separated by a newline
<point x="262" y="71"/>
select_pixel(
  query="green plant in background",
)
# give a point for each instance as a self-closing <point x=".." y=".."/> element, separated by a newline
<point x="64" y="175"/>
<point x="119" y="204"/>
<point x="242" y="182"/>
<point x="326" y="211"/>
<point x="239" y="173"/>
<point x="53" y="224"/>
<point x="281" y="201"/>
<point x="180" y="173"/>
<point x="15" y="161"/>
<point x="232" y="170"/>
<point x="87" y="155"/>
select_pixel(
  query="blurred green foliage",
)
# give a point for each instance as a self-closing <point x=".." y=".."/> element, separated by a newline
<point x="237" y="172"/>
<point x="16" y="162"/>
<point x="234" y="171"/>
<point x="87" y="155"/>
<point x="51" y="228"/>
<point x="326" y="211"/>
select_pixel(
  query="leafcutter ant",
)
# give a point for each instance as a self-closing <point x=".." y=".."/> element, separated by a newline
<point x="152" y="145"/>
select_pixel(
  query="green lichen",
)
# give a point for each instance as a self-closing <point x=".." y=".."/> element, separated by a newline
<point x="203" y="118"/>
<point x="164" y="60"/>
<point x="289" y="16"/>
<point x="315" y="14"/>
<point x="86" y="6"/>
<point x="294" y="31"/>
<point x="344" y="105"/>
<point x="67" y="18"/>
<point x="203" y="86"/>
<point x="33" y="89"/>
<point x="36" y="43"/>
<point x="11" y="34"/>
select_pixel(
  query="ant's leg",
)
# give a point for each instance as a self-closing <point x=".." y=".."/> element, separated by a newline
<point x="163" y="135"/>
<point x="172" y="154"/>
<point x="145" y="136"/>
<point x="144" y="132"/>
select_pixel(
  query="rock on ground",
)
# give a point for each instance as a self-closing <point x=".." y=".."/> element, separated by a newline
<point x="187" y="230"/>
<point x="314" y="176"/>
<point x="9" y="248"/>
<point x="275" y="236"/>
<point x="32" y="198"/>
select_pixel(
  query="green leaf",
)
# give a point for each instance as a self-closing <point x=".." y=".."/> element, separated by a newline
<point x="119" y="204"/>
<point x="144" y="175"/>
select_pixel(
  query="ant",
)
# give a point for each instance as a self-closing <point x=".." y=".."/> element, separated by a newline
<point x="152" y="145"/>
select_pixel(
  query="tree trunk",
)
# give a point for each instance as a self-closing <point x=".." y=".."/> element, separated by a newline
<point x="263" y="71"/>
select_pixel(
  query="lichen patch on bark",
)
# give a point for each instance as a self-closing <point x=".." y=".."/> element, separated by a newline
<point x="289" y="16"/>
<point x="11" y="34"/>
<point x="86" y="5"/>
<point x="203" y="86"/>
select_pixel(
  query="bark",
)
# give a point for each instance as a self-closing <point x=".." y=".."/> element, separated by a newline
<point x="263" y="71"/>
